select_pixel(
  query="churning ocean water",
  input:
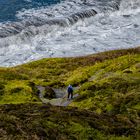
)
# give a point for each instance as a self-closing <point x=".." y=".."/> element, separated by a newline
<point x="35" y="29"/>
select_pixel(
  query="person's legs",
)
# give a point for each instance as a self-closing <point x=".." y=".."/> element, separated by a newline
<point x="71" y="95"/>
<point x="68" y="95"/>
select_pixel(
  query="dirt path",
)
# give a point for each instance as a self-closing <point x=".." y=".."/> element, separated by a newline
<point x="66" y="102"/>
<point x="61" y="97"/>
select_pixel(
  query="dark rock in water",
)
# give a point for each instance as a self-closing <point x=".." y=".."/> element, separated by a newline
<point x="136" y="25"/>
<point x="49" y="93"/>
<point x="126" y="16"/>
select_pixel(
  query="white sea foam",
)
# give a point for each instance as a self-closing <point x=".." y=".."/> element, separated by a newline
<point x="105" y="31"/>
<point x="28" y="0"/>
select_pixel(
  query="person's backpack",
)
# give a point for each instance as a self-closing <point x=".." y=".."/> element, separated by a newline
<point x="70" y="89"/>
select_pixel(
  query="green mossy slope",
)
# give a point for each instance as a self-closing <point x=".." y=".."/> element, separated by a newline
<point x="15" y="82"/>
<point x="109" y="87"/>
<point x="109" y="83"/>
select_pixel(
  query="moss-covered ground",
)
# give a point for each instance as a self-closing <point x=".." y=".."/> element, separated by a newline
<point x="109" y="89"/>
<point x="45" y="122"/>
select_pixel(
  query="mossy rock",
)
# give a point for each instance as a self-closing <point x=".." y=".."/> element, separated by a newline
<point x="127" y="71"/>
<point x="49" y="93"/>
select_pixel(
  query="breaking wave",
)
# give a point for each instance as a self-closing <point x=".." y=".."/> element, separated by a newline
<point x="70" y="28"/>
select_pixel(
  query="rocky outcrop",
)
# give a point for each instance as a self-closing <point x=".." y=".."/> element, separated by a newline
<point x="49" y="93"/>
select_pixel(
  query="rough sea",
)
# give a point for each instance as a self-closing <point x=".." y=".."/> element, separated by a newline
<point x="35" y="29"/>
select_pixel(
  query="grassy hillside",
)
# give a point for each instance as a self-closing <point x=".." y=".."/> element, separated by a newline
<point x="109" y="88"/>
<point x="15" y="82"/>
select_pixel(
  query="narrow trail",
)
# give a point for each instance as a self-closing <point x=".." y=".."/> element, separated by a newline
<point x="61" y="97"/>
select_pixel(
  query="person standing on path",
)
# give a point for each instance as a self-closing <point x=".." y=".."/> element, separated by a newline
<point x="70" y="91"/>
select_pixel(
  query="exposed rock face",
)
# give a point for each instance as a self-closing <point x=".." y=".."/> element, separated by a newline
<point x="49" y="93"/>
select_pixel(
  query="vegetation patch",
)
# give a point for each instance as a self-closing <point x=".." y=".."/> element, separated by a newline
<point x="107" y="107"/>
<point x="32" y="121"/>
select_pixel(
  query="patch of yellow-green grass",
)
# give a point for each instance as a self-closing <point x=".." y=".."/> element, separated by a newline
<point x="17" y="92"/>
<point x="102" y="69"/>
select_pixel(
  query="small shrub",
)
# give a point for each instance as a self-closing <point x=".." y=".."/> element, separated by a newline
<point x="16" y="90"/>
